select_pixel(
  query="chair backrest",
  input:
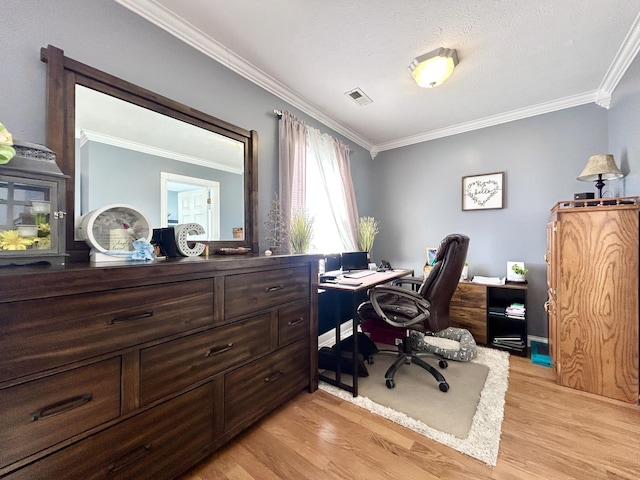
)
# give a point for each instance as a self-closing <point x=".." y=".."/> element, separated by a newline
<point x="438" y="287"/>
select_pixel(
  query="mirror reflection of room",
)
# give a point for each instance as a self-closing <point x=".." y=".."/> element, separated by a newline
<point x="173" y="171"/>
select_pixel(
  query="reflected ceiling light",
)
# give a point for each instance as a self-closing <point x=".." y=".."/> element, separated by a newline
<point x="600" y="167"/>
<point x="433" y="68"/>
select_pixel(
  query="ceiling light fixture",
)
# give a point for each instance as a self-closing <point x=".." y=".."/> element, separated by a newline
<point x="433" y="68"/>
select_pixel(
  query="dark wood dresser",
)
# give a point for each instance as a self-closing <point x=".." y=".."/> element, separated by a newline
<point x="140" y="371"/>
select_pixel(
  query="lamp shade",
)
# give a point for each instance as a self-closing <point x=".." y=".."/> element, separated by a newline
<point x="433" y="68"/>
<point x="601" y="166"/>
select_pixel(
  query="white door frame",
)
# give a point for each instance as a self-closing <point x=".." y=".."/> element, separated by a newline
<point x="214" y="189"/>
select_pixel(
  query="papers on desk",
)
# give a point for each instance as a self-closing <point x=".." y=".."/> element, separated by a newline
<point x="488" y="280"/>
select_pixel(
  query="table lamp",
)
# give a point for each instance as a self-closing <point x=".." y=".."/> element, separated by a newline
<point x="599" y="168"/>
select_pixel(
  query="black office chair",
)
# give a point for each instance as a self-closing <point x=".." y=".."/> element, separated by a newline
<point x="399" y="310"/>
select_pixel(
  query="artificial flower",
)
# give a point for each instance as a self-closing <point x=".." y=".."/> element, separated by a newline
<point x="7" y="152"/>
<point x="42" y="243"/>
<point x="11" y="240"/>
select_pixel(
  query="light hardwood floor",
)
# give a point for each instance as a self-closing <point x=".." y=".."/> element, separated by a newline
<point x="549" y="432"/>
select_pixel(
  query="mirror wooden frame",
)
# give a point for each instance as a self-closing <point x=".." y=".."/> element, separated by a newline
<point x="64" y="73"/>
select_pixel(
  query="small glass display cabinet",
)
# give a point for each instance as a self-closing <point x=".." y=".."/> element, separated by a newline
<point x="32" y="208"/>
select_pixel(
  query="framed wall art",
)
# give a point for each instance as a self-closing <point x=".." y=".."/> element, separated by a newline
<point x="483" y="192"/>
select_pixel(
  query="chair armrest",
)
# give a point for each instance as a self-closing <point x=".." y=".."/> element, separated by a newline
<point x="415" y="282"/>
<point x="420" y="303"/>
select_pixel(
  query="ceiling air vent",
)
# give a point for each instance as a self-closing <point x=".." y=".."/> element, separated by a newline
<point x="359" y="97"/>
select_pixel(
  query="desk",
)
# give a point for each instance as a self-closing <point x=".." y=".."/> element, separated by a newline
<point x="352" y="292"/>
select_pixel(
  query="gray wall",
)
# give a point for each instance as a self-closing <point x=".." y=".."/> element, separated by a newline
<point x="133" y="178"/>
<point x="624" y="130"/>
<point x="420" y="199"/>
<point x="107" y="36"/>
<point x="414" y="191"/>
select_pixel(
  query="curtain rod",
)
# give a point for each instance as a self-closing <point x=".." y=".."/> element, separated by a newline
<point x="278" y="113"/>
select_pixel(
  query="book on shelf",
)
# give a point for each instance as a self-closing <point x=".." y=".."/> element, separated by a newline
<point x="514" y="346"/>
<point x="512" y="341"/>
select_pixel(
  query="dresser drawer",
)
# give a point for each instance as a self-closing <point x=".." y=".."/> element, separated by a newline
<point x="174" y="365"/>
<point x="250" y="292"/>
<point x="40" y="413"/>
<point x="255" y="389"/>
<point x="293" y="323"/>
<point x="41" y="334"/>
<point x="158" y="444"/>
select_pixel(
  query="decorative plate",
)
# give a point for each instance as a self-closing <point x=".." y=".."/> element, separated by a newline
<point x="114" y="228"/>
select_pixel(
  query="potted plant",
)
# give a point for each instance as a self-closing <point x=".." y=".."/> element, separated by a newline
<point x="520" y="272"/>
<point x="465" y="272"/>
<point x="276" y="227"/>
<point x="300" y="231"/>
<point x="367" y="231"/>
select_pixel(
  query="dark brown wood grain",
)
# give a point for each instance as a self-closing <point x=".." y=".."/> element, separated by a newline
<point x="172" y="366"/>
<point x="141" y="340"/>
<point x="469" y="309"/>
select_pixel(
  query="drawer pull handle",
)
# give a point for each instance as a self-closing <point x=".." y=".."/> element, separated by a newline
<point x="126" y="318"/>
<point x="273" y="376"/>
<point x="274" y="289"/>
<point x="217" y="350"/>
<point x="129" y="458"/>
<point x="61" y="406"/>
<point x="296" y="322"/>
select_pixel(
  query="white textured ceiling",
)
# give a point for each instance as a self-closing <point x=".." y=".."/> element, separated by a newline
<point x="517" y="57"/>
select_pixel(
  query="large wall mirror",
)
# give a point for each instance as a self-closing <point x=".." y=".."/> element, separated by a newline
<point x="123" y="144"/>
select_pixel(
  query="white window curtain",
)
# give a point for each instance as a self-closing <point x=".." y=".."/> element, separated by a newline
<point x="327" y="194"/>
<point x="292" y="152"/>
<point x="315" y="175"/>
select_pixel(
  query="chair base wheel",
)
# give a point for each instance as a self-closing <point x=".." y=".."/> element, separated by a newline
<point x="443" y="364"/>
<point x="390" y="383"/>
<point x="443" y="387"/>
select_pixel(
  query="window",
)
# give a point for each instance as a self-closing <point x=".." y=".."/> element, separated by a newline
<point x="325" y="196"/>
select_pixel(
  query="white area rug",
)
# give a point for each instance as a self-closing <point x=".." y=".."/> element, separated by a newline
<point x="483" y="439"/>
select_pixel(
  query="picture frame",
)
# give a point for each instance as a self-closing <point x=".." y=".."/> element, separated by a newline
<point x="430" y="261"/>
<point x="431" y="256"/>
<point x="483" y="192"/>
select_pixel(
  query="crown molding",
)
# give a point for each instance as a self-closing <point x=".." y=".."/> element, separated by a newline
<point x="507" y="117"/>
<point x="88" y="135"/>
<point x="621" y="62"/>
<point x="179" y="28"/>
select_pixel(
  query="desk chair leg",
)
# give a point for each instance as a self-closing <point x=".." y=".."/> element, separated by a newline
<point x="443" y="385"/>
<point x="391" y="371"/>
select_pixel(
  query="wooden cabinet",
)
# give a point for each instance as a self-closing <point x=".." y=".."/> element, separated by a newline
<point x="592" y="256"/>
<point x="140" y="371"/>
<point x="468" y="310"/>
<point x="482" y="309"/>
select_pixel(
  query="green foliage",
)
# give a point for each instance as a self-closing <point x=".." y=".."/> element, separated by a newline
<point x="300" y="231"/>
<point x="519" y="271"/>
<point x="367" y="231"/>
